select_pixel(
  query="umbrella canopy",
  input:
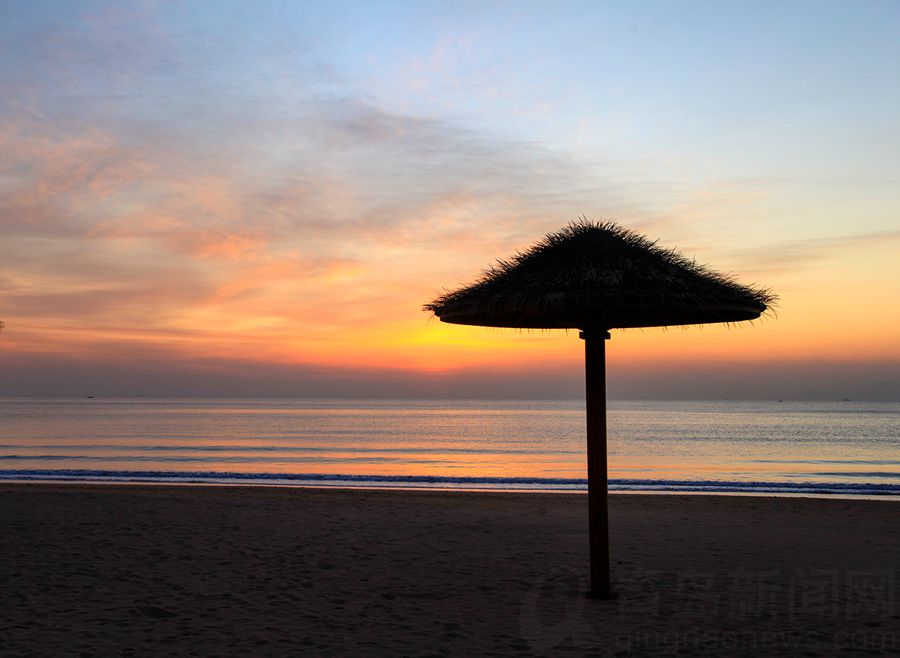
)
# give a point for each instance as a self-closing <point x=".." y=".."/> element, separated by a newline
<point x="596" y="277"/>
<point x="599" y="276"/>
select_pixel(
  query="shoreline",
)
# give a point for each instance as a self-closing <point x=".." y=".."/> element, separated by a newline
<point x="851" y="489"/>
<point x="223" y="570"/>
<point x="349" y="486"/>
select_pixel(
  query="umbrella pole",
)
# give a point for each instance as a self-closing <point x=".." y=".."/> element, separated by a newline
<point x="595" y="399"/>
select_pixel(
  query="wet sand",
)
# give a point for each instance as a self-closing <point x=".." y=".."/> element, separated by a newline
<point x="202" y="571"/>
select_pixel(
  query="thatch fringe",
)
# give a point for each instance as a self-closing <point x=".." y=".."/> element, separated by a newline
<point x="599" y="274"/>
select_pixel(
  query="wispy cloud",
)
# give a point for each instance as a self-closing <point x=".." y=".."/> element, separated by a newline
<point x="177" y="207"/>
<point x="781" y="257"/>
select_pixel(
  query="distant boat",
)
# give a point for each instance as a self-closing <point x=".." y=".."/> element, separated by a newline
<point x="89" y="397"/>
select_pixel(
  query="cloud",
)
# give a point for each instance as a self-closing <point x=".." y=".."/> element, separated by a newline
<point x="797" y="254"/>
<point x="194" y="194"/>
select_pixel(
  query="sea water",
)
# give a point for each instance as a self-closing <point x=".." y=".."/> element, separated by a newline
<point x="850" y="448"/>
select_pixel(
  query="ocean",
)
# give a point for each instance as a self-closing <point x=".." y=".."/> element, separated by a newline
<point x="844" y="448"/>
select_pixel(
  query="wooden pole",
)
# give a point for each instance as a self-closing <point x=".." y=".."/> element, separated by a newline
<point x="595" y="398"/>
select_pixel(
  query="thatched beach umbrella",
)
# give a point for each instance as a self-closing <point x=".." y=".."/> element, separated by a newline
<point x="596" y="277"/>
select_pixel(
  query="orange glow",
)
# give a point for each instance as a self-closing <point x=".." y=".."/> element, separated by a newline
<point x="175" y="273"/>
<point x="355" y="312"/>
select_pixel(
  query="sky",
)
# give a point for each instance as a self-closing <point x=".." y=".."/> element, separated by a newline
<point x="256" y="199"/>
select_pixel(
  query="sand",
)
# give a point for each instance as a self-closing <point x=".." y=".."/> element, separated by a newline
<point x="202" y="571"/>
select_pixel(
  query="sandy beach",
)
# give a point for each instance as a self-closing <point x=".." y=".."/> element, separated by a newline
<point x="203" y="571"/>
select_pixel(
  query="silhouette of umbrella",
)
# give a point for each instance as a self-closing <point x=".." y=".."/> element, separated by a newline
<point x="596" y="277"/>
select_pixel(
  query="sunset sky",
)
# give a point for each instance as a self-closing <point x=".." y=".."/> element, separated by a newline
<point x="256" y="198"/>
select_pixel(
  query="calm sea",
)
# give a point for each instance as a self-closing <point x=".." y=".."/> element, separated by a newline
<point x="725" y="446"/>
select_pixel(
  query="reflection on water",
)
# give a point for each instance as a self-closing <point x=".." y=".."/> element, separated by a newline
<point x="655" y="441"/>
